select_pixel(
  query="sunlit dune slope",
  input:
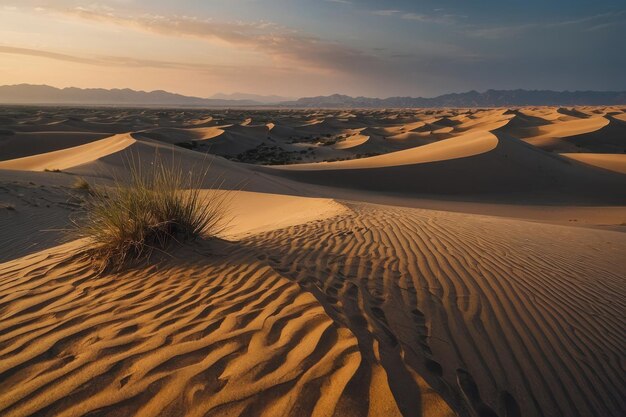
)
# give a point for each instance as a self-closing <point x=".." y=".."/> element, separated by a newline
<point x="70" y="157"/>
<point x="22" y="144"/>
<point x="479" y="162"/>
<point x="458" y="147"/>
<point x="611" y="162"/>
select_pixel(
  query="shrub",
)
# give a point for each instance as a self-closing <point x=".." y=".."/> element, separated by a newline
<point x="81" y="184"/>
<point x="154" y="208"/>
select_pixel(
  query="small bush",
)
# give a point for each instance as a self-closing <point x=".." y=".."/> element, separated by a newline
<point x="155" y="207"/>
<point x="81" y="184"/>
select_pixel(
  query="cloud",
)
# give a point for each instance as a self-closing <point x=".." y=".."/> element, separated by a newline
<point x="498" y="32"/>
<point x="46" y="54"/>
<point x="339" y="1"/>
<point x="586" y="23"/>
<point x="386" y="12"/>
<point x="284" y="46"/>
<point x="419" y="17"/>
<point x="616" y="17"/>
<point x="444" y="18"/>
<point x="120" y="61"/>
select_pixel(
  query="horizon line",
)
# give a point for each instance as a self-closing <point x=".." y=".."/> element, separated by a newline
<point x="308" y="96"/>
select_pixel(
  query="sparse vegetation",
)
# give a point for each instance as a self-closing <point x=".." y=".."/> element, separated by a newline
<point x="191" y="145"/>
<point x="81" y="184"/>
<point x="153" y="209"/>
<point x="52" y="170"/>
<point x="267" y="155"/>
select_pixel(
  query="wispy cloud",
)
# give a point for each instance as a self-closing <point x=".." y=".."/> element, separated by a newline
<point x="282" y="45"/>
<point x="386" y="12"/>
<point x="437" y="17"/>
<point x="586" y="23"/>
<point x="339" y="1"/>
<point x="614" y="17"/>
<point x="498" y="32"/>
<point x="120" y="61"/>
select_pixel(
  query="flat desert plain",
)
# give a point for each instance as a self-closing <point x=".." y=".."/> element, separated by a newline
<point x="432" y="262"/>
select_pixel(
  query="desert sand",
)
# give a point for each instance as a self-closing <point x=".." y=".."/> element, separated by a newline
<point x="435" y="262"/>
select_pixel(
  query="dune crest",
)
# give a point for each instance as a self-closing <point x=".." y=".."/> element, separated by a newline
<point x="459" y="147"/>
<point x="611" y="162"/>
<point x="254" y="213"/>
<point x="70" y="157"/>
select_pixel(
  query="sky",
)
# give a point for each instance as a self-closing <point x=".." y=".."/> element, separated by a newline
<point x="297" y="48"/>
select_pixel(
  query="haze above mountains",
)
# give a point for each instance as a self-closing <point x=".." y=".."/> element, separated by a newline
<point x="43" y="94"/>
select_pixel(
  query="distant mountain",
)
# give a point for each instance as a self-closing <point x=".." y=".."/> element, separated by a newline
<point x="490" y="98"/>
<point x="43" y="94"/>
<point x="271" y="99"/>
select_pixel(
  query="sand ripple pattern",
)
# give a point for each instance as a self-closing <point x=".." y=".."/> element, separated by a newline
<point x="220" y="334"/>
<point x="381" y="311"/>
<point x="502" y="317"/>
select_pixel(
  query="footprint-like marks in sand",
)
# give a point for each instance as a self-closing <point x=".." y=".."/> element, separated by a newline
<point x="483" y="311"/>
<point x="416" y="312"/>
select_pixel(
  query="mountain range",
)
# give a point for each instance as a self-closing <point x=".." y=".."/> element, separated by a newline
<point x="489" y="98"/>
<point x="46" y="95"/>
<point x="252" y="97"/>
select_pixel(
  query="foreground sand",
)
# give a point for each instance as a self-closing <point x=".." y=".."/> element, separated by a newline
<point x="317" y="301"/>
<point x="377" y="311"/>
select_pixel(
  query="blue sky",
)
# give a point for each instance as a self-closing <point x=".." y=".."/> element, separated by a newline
<point x="314" y="47"/>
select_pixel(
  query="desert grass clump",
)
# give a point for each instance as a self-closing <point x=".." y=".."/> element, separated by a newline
<point x="152" y="209"/>
<point x="7" y="206"/>
<point x="81" y="184"/>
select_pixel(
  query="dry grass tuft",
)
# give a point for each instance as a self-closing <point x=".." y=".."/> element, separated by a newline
<point x="81" y="184"/>
<point x="7" y="206"/>
<point x="156" y="207"/>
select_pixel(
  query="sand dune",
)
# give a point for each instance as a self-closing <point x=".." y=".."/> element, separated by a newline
<point x="22" y="144"/>
<point x="611" y="162"/>
<point x="318" y="301"/>
<point x="608" y="139"/>
<point x="476" y="163"/>
<point x="496" y="317"/>
<point x="312" y="319"/>
<point x="579" y="133"/>
<point x="238" y="138"/>
<point x="352" y="142"/>
<point x="67" y="158"/>
<point x="253" y="213"/>
<point x="232" y="338"/>
<point x="46" y="201"/>
<point x="458" y="147"/>
<point x="173" y="135"/>
<point x="571" y="127"/>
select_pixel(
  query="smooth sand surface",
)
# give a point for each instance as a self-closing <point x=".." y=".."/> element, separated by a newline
<point x="253" y="213"/>
<point x="459" y="147"/>
<point x="73" y="156"/>
<point x="435" y="262"/>
<point x="493" y="166"/>
<point x="22" y="144"/>
<point x="612" y="162"/>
